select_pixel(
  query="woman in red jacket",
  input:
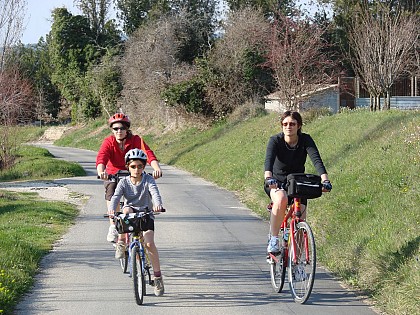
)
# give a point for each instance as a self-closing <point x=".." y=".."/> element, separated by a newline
<point x="110" y="158"/>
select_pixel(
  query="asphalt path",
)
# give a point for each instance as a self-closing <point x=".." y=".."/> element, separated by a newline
<point x="212" y="251"/>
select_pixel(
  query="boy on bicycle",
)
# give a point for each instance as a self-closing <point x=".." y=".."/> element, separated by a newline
<point x="140" y="191"/>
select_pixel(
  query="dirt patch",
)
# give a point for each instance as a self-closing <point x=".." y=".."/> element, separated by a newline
<point x="53" y="133"/>
<point x="46" y="190"/>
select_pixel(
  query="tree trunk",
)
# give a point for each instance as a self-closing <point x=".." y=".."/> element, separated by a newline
<point x="387" y="105"/>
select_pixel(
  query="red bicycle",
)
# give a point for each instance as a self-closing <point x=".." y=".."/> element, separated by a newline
<point x="298" y="257"/>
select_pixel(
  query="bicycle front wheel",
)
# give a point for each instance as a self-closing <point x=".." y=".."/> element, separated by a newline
<point x="278" y="271"/>
<point x="137" y="275"/>
<point x="302" y="271"/>
<point x="124" y="262"/>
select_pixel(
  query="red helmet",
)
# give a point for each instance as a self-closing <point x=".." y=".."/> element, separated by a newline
<point x="119" y="117"/>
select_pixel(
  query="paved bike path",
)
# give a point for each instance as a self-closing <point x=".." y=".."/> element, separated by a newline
<point x="212" y="251"/>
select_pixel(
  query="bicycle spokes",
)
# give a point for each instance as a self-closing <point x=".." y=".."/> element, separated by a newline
<point x="302" y="258"/>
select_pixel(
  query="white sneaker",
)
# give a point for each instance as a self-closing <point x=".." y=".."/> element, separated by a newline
<point x="112" y="234"/>
<point x="159" y="288"/>
<point x="273" y="245"/>
<point x="120" y="250"/>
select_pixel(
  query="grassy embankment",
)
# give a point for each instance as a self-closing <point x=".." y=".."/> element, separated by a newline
<point x="29" y="226"/>
<point x="366" y="228"/>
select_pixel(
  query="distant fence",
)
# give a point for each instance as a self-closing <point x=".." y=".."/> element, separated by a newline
<point x="397" y="102"/>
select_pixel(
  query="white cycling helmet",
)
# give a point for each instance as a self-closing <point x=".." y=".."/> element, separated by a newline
<point x="135" y="154"/>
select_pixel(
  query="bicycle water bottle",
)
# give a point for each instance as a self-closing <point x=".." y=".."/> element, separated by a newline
<point x="286" y="234"/>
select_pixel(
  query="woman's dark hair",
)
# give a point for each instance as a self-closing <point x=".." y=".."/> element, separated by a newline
<point x="296" y="116"/>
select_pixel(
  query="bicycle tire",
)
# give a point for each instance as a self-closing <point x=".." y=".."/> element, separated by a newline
<point x="137" y="275"/>
<point x="124" y="262"/>
<point x="302" y="274"/>
<point x="278" y="272"/>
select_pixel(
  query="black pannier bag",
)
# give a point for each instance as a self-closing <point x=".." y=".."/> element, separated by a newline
<point x="131" y="223"/>
<point x="300" y="185"/>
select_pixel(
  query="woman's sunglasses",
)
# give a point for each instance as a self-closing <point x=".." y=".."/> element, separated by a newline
<point x="291" y="124"/>
<point x="119" y="128"/>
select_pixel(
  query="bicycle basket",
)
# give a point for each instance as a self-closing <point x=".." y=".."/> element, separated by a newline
<point x="129" y="223"/>
<point x="306" y="186"/>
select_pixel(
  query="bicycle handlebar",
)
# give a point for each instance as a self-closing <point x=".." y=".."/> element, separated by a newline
<point x="118" y="175"/>
<point x="326" y="184"/>
<point x="106" y="215"/>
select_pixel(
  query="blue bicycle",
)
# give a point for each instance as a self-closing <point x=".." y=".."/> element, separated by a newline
<point x="133" y="224"/>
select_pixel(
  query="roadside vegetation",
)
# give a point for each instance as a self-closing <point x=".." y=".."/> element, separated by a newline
<point x="28" y="229"/>
<point x="29" y="226"/>
<point x="366" y="228"/>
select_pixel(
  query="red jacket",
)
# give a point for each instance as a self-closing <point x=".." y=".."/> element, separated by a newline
<point x="113" y="157"/>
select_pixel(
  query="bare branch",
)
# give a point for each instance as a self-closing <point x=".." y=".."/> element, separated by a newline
<point x="12" y="14"/>
<point x="383" y="44"/>
<point x="297" y="57"/>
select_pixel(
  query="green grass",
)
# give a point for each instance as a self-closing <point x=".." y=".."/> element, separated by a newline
<point x="28" y="225"/>
<point x="89" y="136"/>
<point x="37" y="163"/>
<point x="28" y="228"/>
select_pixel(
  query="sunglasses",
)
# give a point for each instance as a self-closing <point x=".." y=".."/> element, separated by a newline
<point x="291" y="124"/>
<point x="119" y="128"/>
<point x="139" y="167"/>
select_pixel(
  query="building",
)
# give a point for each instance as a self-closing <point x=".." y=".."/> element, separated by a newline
<point x="349" y="92"/>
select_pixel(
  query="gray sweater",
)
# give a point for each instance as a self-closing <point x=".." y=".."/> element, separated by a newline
<point x="145" y="194"/>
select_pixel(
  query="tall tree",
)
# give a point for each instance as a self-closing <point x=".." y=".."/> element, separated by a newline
<point x="71" y="50"/>
<point x="298" y="59"/>
<point x="383" y="46"/>
<point x="76" y="49"/>
<point x="148" y="65"/>
<point x="12" y="14"/>
<point x="135" y="13"/>
<point x="235" y="71"/>
<point x="268" y="7"/>
<point x="96" y="11"/>
<point x="197" y="23"/>
<point x="34" y="64"/>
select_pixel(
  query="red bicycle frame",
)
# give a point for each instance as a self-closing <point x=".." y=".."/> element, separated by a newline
<point x="295" y="214"/>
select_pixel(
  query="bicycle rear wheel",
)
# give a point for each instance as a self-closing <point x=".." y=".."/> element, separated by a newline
<point x="278" y="271"/>
<point x="302" y="273"/>
<point x="137" y="275"/>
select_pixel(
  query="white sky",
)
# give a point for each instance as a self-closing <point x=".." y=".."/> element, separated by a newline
<point x="38" y="18"/>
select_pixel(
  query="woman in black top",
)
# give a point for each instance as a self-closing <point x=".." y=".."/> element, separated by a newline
<point x="286" y="153"/>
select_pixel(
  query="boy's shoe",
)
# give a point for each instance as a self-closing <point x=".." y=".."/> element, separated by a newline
<point x="273" y="245"/>
<point x="112" y="234"/>
<point x="120" y="250"/>
<point x="159" y="288"/>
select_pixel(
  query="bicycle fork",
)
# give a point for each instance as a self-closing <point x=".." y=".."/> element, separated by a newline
<point x="144" y="259"/>
<point x="294" y="241"/>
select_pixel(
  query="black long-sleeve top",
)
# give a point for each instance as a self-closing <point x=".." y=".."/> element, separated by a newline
<point x="282" y="160"/>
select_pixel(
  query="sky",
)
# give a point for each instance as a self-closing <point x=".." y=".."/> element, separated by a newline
<point x="38" y="18"/>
